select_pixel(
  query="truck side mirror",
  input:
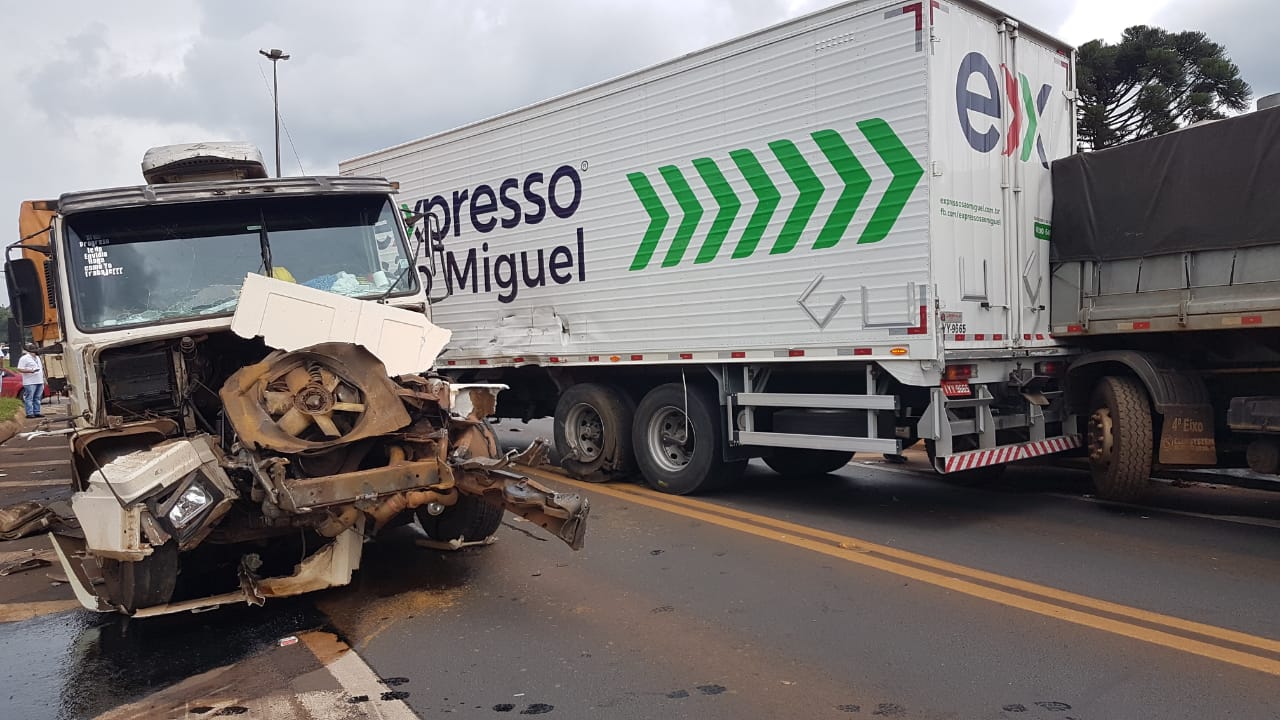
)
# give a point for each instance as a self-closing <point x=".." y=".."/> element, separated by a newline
<point x="26" y="292"/>
<point x="432" y="237"/>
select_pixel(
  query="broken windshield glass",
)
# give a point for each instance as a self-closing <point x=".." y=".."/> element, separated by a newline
<point x="134" y="266"/>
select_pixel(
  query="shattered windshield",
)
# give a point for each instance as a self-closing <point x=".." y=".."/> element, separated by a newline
<point x="134" y="266"/>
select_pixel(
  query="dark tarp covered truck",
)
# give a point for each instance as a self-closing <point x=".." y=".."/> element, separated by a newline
<point x="1166" y="271"/>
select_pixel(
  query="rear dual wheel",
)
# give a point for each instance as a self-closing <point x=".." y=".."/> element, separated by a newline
<point x="678" y="439"/>
<point x="593" y="431"/>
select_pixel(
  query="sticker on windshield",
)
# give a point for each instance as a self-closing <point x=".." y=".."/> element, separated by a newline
<point x="96" y="261"/>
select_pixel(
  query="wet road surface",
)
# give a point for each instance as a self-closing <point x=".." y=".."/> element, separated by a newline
<point x="875" y="592"/>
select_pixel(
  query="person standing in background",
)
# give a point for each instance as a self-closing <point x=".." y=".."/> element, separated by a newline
<point x="32" y="381"/>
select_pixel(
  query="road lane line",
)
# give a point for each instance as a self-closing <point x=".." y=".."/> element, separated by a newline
<point x="864" y="553"/>
<point x="987" y="577"/>
<point x="19" y="611"/>
<point x="34" y="483"/>
<point x="35" y="463"/>
<point x="355" y="676"/>
<point x="1052" y="593"/>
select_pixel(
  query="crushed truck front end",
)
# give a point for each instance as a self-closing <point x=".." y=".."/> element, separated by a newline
<point x="249" y="364"/>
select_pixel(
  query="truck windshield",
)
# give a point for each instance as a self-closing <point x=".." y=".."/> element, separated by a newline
<point x="157" y="264"/>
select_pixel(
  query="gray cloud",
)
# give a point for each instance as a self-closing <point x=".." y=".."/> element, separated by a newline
<point x="85" y="101"/>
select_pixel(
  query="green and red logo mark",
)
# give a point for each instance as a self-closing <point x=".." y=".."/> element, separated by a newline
<point x="977" y="108"/>
<point x="856" y="181"/>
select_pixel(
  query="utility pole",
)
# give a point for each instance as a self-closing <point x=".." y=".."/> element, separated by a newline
<point x="275" y="56"/>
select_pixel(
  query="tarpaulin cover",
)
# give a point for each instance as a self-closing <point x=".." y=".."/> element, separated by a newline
<point x="1210" y="187"/>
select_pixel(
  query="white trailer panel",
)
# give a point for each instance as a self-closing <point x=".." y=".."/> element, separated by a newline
<point x="807" y="191"/>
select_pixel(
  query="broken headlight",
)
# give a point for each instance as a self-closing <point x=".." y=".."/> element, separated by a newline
<point x="191" y="502"/>
<point x="191" y="510"/>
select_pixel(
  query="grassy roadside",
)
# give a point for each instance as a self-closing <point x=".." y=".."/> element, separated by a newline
<point x="9" y="408"/>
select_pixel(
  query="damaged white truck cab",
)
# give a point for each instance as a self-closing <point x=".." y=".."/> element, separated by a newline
<point x="248" y="364"/>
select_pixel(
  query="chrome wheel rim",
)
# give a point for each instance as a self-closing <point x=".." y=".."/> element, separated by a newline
<point x="670" y="439"/>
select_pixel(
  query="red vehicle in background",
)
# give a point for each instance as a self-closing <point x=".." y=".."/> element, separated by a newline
<point x="11" y="383"/>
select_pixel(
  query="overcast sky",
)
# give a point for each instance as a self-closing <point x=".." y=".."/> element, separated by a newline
<point x="88" y="86"/>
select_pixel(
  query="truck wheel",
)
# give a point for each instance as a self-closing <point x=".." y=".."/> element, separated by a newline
<point x="593" y="431"/>
<point x="471" y="518"/>
<point x="1263" y="456"/>
<point x="138" y="584"/>
<point x="1120" y="439"/>
<point x="678" y="456"/>
<point x="796" y="463"/>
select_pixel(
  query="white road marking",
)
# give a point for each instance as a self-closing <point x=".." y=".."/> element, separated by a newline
<point x="357" y="678"/>
<point x="34" y="483"/>
<point x="37" y="463"/>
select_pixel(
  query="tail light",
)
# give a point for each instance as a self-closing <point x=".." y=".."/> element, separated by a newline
<point x="1050" y="368"/>
<point x="959" y="372"/>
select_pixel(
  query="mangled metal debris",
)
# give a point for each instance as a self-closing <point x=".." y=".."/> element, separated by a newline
<point x="321" y="443"/>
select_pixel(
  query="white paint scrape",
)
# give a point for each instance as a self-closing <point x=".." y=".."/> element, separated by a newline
<point x="289" y="316"/>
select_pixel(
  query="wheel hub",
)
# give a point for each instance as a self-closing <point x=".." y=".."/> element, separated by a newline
<point x="671" y="439"/>
<point x="1101" y="437"/>
<point x="585" y="432"/>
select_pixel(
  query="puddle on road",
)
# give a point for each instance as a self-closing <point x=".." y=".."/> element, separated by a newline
<point x="80" y="664"/>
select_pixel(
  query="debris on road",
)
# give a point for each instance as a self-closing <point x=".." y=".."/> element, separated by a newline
<point x="23" y="519"/>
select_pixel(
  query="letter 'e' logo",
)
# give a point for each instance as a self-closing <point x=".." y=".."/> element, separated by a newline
<point x="980" y="108"/>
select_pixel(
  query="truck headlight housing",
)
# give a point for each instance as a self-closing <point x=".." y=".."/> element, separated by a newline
<point x="193" y="507"/>
<point x="191" y="502"/>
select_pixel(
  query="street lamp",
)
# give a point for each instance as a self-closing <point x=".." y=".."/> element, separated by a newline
<point x="275" y="55"/>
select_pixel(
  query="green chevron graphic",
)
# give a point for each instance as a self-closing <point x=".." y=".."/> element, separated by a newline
<point x="856" y="181"/>
<point x="658" y="218"/>
<point x="767" y="194"/>
<point x="906" y="175"/>
<point x="810" y="188"/>
<point x="729" y="207"/>
<point x="692" y="213"/>
<point x="795" y="161"/>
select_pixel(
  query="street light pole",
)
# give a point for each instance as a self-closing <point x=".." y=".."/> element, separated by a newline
<point x="275" y="56"/>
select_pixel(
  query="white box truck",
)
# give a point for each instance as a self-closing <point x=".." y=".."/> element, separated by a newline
<point x="825" y="237"/>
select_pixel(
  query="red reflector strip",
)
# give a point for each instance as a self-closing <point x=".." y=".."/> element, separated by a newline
<point x="979" y="336"/>
<point x="1075" y="328"/>
<point x="862" y="351"/>
<point x="517" y="360"/>
<point x="960" y="338"/>
<point x="923" y="328"/>
<point x="998" y="336"/>
<point x="484" y="361"/>
<point x="686" y="356"/>
<point x="637" y="357"/>
<point x="1251" y="320"/>
<point x="593" y="358"/>
<point x="795" y="353"/>
<point x="737" y="354"/>
<point x="1026" y="336"/>
<point x="555" y="359"/>
<point x="453" y="362"/>
<point x="1039" y="336"/>
<point x="1144" y="325"/>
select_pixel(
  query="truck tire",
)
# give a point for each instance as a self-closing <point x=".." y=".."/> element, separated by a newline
<point x="793" y="463"/>
<point x="593" y="432"/>
<point x="678" y="457"/>
<point x="471" y="518"/>
<point x="1120" y="439"/>
<point x="133" y="585"/>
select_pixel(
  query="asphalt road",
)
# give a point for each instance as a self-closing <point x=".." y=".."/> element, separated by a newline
<point x="876" y="592"/>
